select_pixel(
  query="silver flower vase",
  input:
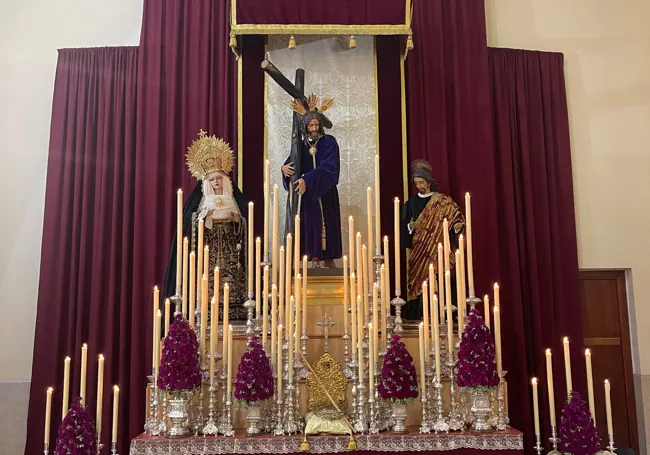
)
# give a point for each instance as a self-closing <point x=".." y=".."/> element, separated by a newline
<point x="253" y="419"/>
<point x="480" y="408"/>
<point x="178" y="414"/>
<point x="399" y="417"/>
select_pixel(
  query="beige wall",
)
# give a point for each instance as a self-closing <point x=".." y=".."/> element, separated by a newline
<point x="606" y="45"/>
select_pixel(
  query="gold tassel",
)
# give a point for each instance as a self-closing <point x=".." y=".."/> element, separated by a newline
<point x="304" y="447"/>
<point x="292" y="42"/>
<point x="353" y="42"/>
<point x="233" y="41"/>
<point x="409" y="43"/>
<point x="352" y="444"/>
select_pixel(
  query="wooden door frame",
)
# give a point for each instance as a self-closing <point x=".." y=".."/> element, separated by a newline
<point x="619" y="275"/>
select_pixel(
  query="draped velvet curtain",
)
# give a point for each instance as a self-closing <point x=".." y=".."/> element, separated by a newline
<point x="86" y="276"/>
<point x="537" y="221"/>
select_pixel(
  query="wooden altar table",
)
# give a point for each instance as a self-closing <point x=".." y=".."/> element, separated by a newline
<point x="508" y="442"/>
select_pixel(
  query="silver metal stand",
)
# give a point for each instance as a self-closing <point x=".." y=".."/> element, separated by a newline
<point x="502" y="418"/>
<point x="210" y="427"/>
<point x="46" y="448"/>
<point x="398" y="303"/>
<point x="361" y="425"/>
<point x="177" y="301"/>
<point x="456" y="422"/>
<point x="538" y="447"/>
<point x="162" y="426"/>
<point x="440" y="424"/>
<point x="151" y="427"/>
<point x="250" y="325"/>
<point x="554" y="440"/>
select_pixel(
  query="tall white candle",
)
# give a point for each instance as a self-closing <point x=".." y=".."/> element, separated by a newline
<point x="536" y="406"/>
<point x="432" y="292"/>
<point x="184" y="289"/>
<point x="436" y="335"/>
<point x="298" y="303"/>
<point x="370" y="252"/>
<point x="199" y="263"/>
<point x="179" y="236"/>
<point x="425" y="315"/>
<point x="303" y="301"/>
<point x="267" y="203"/>
<point x="281" y="300"/>
<point x="387" y="264"/>
<point x="278" y="362"/>
<point x="224" y="326"/>
<point x="486" y="310"/>
<point x="360" y="271"/>
<point x="441" y="282"/>
<point x="192" y="296"/>
<point x="446" y="244"/>
<point x="167" y="316"/>
<point x="398" y="286"/>
<point x="366" y="280"/>
<point x="287" y="277"/>
<point x="100" y="394"/>
<point x="274" y="256"/>
<point x="384" y="302"/>
<point x="290" y="315"/>
<point x="459" y="296"/>
<point x="371" y="359"/>
<point x="229" y="376"/>
<point x="156" y="338"/>
<point x="251" y="251"/>
<point x="423" y="380"/>
<point x="258" y="277"/>
<point x="567" y="365"/>
<point x="204" y="318"/>
<point x="214" y="335"/>
<point x="48" y="414"/>
<point x="346" y="322"/>
<point x="351" y="242"/>
<point x="377" y="202"/>
<point x="360" y="343"/>
<point x="463" y="281"/>
<point x="468" y="231"/>
<point x="497" y="329"/>
<point x="274" y="318"/>
<point x="450" y="319"/>
<point x="66" y="387"/>
<point x="296" y="247"/>
<point x="116" y="408"/>
<point x="590" y="384"/>
<point x="549" y="382"/>
<point x="265" y="307"/>
<point x="375" y="315"/>
<point x="353" y="308"/>
<point x="84" y="366"/>
<point x="608" y="409"/>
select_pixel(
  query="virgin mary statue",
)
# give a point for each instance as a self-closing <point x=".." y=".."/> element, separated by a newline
<point x="221" y="205"/>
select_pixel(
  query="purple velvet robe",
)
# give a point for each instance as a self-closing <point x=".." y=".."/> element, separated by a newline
<point x="321" y="185"/>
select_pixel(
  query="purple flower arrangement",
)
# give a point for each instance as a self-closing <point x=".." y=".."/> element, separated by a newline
<point x="254" y="376"/>
<point x="399" y="380"/>
<point x="179" y="365"/>
<point x="476" y="357"/>
<point x="577" y="432"/>
<point x="77" y="434"/>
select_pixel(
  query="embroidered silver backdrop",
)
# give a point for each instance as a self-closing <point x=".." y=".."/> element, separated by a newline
<point x="348" y="76"/>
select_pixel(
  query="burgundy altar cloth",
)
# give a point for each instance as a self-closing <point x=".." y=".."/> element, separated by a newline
<point x="508" y="442"/>
<point x="358" y="12"/>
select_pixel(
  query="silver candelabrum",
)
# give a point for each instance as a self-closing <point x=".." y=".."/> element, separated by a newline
<point x="456" y="421"/>
<point x="177" y="301"/>
<point x="440" y="424"/>
<point x="361" y="423"/>
<point x="250" y="319"/>
<point x="151" y="427"/>
<point x="554" y="441"/>
<point x="502" y="417"/>
<point x="210" y="427"/>
<point x="398" y="303"/>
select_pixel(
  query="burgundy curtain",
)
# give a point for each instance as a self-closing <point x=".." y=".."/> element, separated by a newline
<point x="449" y="121"/>
<point x="186" y="82"/>
<point x="359" y="12"/>
<point x="537" y="222"/>
<point x="86" y="275"/>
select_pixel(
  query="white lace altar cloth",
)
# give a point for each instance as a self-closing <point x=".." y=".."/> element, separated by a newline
<point x="510" y="440"/>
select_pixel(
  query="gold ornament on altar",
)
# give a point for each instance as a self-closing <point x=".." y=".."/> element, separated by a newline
<point x="209" y="154"/>
<point x="322" y="417"/>
<point x="312" y="103"/>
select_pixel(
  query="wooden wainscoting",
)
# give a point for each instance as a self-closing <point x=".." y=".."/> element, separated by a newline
<point x="607" y="333"/>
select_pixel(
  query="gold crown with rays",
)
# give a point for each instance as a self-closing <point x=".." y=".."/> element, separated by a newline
<point x="209" y="154"/>
<point x="312" y="103"/>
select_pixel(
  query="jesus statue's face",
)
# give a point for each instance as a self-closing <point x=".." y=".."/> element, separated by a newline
<point x="422" y="185"/>
<point x="313" y="128"/>
<point x="216" y="182"/>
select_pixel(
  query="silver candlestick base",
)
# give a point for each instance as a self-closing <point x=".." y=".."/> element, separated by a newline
<point x="226" y="424"/>
<point x="472" y="301"/>
<point x="114" y="448"/>
<point x="199" y="418"/>
<point x="353" y="416"/>
<point x="162" y="426"/>
<point x="290" y="426"/>
<point x="361" y="424"/>
<point x="456" y="422"/>
<point x="177" y="301"/>
<point x="554" y="441"/>
<point x="440" y="424"/>
<point x="223" y="378"/>
<point x="279" y="427"/>
<point x="538" y="446"/>
<point x="46" y="448"/>
<point x="424" y="425"/>
<point x="347" y="367"/>
<point x="210" y="427"/>
<point x="502" y="418"/>
<point x="611" y="447"/>
<point x="373" y="426"/>
<point x="151" y="427"/>
<point x="299" y="366"/>
<point x="398" y="303"/>
<point x="100" y="446"/>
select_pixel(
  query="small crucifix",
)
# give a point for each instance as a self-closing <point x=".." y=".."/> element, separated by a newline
<point x="325" y="323"/>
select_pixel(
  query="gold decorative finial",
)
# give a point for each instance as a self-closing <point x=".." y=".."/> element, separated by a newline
<point x="209" y="154"/>
<point x="292" y="42"/>
<point x="409" y="43"/>
<point x="353" y="42"/>
<point x="233" y="40"/>
<point x="352" y="444"/>
<point x="304" y="446"/>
